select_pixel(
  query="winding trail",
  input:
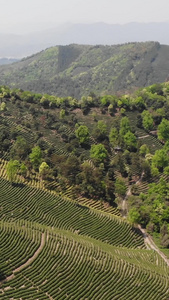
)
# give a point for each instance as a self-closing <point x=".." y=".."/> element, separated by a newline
<point x="128" y="193"/>
<point x="124" y="203"/>
<point x="28" y="262"/>
<point x="151" y="245"/>
<point x="147" y="238"/>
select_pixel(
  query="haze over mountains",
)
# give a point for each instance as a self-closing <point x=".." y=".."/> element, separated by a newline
<point x="78" y="70"/>
<point x="21" y="45"/>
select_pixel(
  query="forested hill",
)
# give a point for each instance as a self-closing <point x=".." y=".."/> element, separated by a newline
<point x="78" y="70"/>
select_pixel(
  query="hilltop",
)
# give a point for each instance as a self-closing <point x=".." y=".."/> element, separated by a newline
<point x="78" y="70"/>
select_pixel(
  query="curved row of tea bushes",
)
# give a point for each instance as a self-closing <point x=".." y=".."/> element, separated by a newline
<point x="69" y="269"/>
<point x="23" y="202"/>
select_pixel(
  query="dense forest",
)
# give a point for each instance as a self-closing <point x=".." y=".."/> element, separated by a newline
<point x="78" y="70"/>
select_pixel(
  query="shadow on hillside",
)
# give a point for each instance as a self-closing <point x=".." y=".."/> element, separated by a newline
<point x="2" y="276"/>
<point x="137" y="231"/>
<point x="18" y="184"/>
<point x="82" y="206"/>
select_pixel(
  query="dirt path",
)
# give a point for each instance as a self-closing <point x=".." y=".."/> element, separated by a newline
<point x="147" y="238"/>
<point x="28" y="262"/>
<point x="144" y="136"/>
<point x="128" y="193"/>
<point x="124" y="204"/>
<point x="151" y="245"/>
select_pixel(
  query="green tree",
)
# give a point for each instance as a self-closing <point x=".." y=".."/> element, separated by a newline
<point x="160" y="159"/>
<point x="124" y="126"/>
<point x="130" y="140"/>
<point x="108" y="99"/>
<point x="70" y="168"/>
<point x="147" y="120"/>
<point x="62" y="113"/>
<point x="111" y="109"/>
<point x="120" y="187"/>
<point x="11" y="169"/>
<point x="82" y="133"/>
<point x="92" y="181"/>
<point x="98" y="153"/>
<point x="35" y="157"/>
<point x="20" y="148"/>
<point x="102" y="127"/>
<point x="163" y="130"/>
<point x="3" y="106"/>
<point x="113" y="136"/>
<point x="144" y="150"/>
<point x="100" y="131"/>
<point x="134" y="216"/>
<point x="23" y="169"/>
<point x="43" y="169"/>
<point x="154" y="171"/>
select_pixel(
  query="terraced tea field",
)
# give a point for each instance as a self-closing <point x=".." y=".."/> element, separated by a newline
<point x="84" y="254"/>
<point x="24" y="202"/>
<point x="71" y="267"/>
<point x="56" y="244"/>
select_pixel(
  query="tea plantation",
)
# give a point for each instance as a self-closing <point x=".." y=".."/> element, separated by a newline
<point x="77" y="181"/>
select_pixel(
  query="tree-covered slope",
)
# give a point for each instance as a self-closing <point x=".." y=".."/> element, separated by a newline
<point x="79" y="180"/>
<point x="94" y="151"/>
<point x="77" y="70"/>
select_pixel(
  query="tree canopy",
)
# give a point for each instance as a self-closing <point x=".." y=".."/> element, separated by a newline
<point x="98" y="153"/>
<point x="35" y="156"/>
<point x="12" y="168"/>
<point x="82" y="133"/>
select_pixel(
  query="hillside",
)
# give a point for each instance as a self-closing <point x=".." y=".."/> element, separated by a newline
<point x="78" y="70"/>
<point x="76" y="179"/>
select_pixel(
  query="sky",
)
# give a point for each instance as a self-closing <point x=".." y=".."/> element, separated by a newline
<point x="28" y="15"/>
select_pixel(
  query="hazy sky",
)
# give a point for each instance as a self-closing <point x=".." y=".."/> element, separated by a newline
<point x="19" y="15"/>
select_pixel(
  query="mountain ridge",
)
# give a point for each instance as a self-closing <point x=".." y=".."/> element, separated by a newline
<point x="77" y="70"/>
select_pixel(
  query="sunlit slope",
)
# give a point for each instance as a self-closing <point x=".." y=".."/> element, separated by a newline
<point x="23" y="202"/>
<point x="71" y="267"/>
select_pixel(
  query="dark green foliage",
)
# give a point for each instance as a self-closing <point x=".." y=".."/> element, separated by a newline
<point x="113" y="136"/>
<point x="147" y="120"/>
<point x="163" y="130"/>
<point x="82" y="133"/>
<point x="124" y="126"/>
<point x="130" y="140"/>
<point x="20" y="148"/>
<point x="11" y="169"/>
<point x="100" y="131"/>
<point x="35" y="157"/>
<point x="120" y="187"/>
<point x="134" y="216"/>
<point x="152" y="207"/>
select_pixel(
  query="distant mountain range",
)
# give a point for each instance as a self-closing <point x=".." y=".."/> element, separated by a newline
<point x="7" y="61"/>
<point x="78" y="70"/>
<point x="92" y="34"/>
